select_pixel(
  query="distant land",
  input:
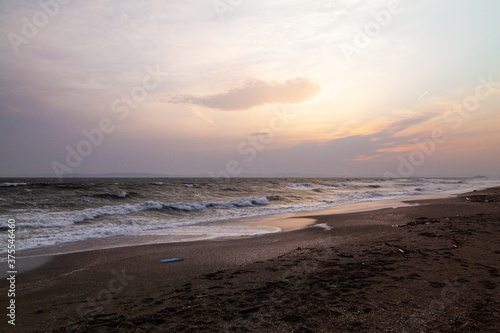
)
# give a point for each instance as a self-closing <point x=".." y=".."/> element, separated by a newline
<point x="278" y="175"/>
<point x="99" y="175"/>
<point x="204" y="175"/>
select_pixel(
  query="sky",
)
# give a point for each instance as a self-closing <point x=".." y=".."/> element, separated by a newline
<point x="234" y="88"/>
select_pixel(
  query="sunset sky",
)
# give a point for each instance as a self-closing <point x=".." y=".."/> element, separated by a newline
<point x="250" y="87"/>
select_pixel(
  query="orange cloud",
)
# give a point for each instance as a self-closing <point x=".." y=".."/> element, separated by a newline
<point x="365" y="158"/>
<point x="400" y="149"/>
<point x="256" y="93"/>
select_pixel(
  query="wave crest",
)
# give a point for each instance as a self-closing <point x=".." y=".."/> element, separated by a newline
<point x="58" y="219"/>
<point x="12" y="184"/>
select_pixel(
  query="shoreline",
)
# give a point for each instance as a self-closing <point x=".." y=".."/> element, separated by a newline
<point x="284" y="221"/>
<point x="359" y="274"/>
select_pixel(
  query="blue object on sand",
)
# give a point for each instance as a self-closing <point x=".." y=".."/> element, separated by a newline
<point x="170" y="260"/>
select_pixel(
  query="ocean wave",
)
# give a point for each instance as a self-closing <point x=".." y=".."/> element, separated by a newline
<point x="247" y="202"/>
<point x="121" y="194"/>
<point x="60" y="219"/>
<point x="12" y="184"/>
<point x="117" y="194"/>
<point x="179" y="233"/>
<point x="373" y="194"/>
<point x="74" y="186"/>
<point x="230" y="189"/>
<point x="300" y="186"/>
<point x="410" y="184"/>
<point x="337" y="184"/>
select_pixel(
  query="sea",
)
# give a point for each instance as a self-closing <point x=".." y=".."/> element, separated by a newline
<point x="50" y="212"/>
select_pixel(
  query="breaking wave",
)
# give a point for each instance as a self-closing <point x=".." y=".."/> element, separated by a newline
<point x="58" y="219"/>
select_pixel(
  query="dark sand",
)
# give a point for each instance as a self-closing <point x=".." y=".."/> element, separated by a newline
<point x="436" y="271"/>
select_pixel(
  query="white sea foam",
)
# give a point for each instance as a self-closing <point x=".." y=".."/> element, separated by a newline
<point x="322" y="225"/>
<point x="338" y="184"/>
<point x="41" y="219"/>
<point x="214" y="231"/>
<point x="304" y="186"/>
<point x="120" y="194"/>
<point x="177" y="234"/>
<point x="12" y="184"/>
<point x="47" y="220"/>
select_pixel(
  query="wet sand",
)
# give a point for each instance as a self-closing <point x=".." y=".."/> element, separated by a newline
<point x="427" y="268"/>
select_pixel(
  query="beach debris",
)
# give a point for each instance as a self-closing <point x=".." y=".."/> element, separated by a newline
<point x="394" y="225"/>
<point x="170" y="260"/>
<point x="399" y="249"/>
<point x="250" y="309"/>
<point x="421" y="220"/>
<point x="464" y="325"/>
<point x="481" y="198"/>
<point x="323" y="225"/>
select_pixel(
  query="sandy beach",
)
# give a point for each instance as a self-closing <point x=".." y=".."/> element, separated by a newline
<point x="431" y="267"/>
<point x="249" y="166"/>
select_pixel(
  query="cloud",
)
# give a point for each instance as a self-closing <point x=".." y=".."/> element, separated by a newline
<point x="260" y="134"/>
<point x="96" y="5"/>
<point x="255" y="93"/>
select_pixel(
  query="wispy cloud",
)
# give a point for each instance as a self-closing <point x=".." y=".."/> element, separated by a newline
<point x="260" y="134"/>
<point x="255" y="93"/>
